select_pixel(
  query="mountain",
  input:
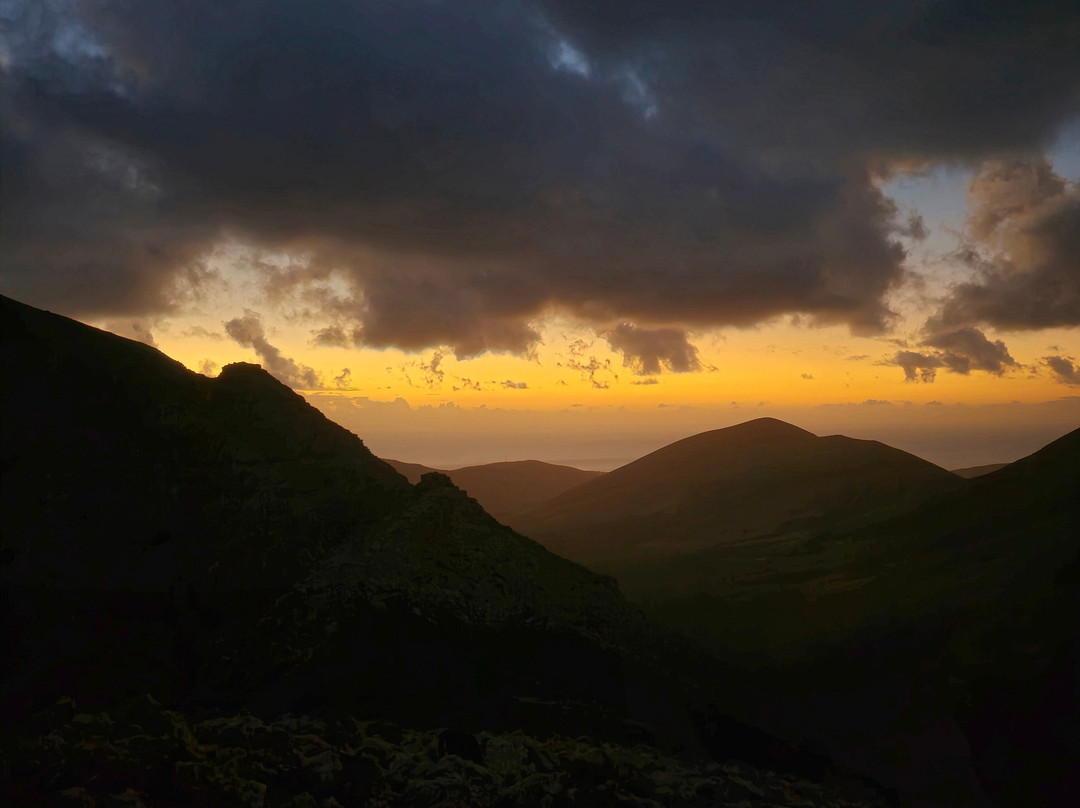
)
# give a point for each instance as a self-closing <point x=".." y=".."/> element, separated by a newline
<point x="948" y="633"/>
<point x="760" y="478"/>
<point x="978" y="471"/>
<point x="216" y="502"/>
<point x="510" y="488"/>
<point x="214" y="595"/>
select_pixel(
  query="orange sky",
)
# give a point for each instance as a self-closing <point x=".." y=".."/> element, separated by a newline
<point x="575" y="401"/>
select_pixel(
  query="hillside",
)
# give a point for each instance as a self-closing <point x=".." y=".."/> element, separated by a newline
<point x="507" y="489"/>
<point x="128" y="476"/>
<point x="757" y="479"/>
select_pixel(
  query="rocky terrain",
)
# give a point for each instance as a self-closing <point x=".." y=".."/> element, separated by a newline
<point x="141" y="754"/>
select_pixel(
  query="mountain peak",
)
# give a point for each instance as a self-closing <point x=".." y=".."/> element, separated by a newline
<point x="766" y="427"/>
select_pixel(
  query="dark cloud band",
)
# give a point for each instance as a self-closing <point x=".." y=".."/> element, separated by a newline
<point x="463" y="167"/>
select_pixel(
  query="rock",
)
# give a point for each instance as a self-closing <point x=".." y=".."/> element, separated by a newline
<point x="323" y="767"/>
<point x="125" y="799"/>
<point x="460" y="743"/>
<point x="507" y="757"/>
<point x="539" y="790"/>
<point x="77" y="797"/>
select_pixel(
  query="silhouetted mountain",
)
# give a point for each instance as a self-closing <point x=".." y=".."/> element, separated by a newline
<point x="971" y="472"/>
<point x="946" y="636"/>
<point x="124" y="472"/>
<point x="222" y="546"/>
<point x="510" y="488"/>
<point x="760" y="478"/>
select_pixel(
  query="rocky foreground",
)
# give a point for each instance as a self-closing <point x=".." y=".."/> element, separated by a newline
<point x="143" y="755"/>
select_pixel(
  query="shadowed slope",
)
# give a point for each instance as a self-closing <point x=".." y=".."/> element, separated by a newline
<point x="197" y="504"/>
<point x="959" y="618"/>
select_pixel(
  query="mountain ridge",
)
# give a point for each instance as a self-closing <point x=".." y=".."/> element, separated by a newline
<point x="730" y="485"/>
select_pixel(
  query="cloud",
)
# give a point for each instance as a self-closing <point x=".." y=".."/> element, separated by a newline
<point x="918" y="367"/>
<point x="458" y="169"/>
<point x="515" y="385"/>
<point x="961" y="350"/>
<point x="331" y="336"/>
<point x="248" y="332"/>
<point x="650" y="380"/>
<point x="1063" y="369"/>
<point x="646" y="350"/>
<point x="132" y="329"/>
<point x="1023" y="246"/>
<point x="344" y="380"/>
<point x="208" y="367"/>
<point x="807" y="376"/>
<point x="967" y="349"/>
<point x="594" y="370"/>
<point x="203" y="333"/>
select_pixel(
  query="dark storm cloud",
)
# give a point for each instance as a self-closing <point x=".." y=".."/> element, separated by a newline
<point x="646" y="351"/>
<point x="1063" y="369"/>
<point x="463" y="166"/>
<point x="1024" y="248"/>
<point x="925" y="79"/>
<point x="248" y="332"/>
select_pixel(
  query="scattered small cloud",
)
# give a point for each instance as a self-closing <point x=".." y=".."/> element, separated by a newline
<point x="208" y="367"/>
<point x="918" y="367"/>
<point x="1063" y="369"/>
<point x="960" y="350"/>
<point x="807" y="376"/>
<point x="132" y="329"/>
<point x="967" y="349"/>
<point x="199" y="332"/>
<point x="344" y="380"/>
<point x="515" y="385"/>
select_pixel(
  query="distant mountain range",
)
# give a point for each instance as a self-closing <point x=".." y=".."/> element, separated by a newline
<point x="761" y="478"/>
<point x="506" y="489"/>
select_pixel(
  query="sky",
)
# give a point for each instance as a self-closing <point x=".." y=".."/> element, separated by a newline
<point x="573" y="231"/>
